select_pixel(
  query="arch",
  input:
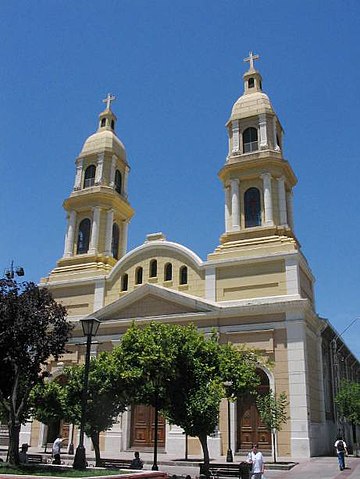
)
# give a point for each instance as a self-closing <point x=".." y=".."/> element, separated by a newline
<point x="115" y="241"/>
<point x="89" y="177"/>
<point x="252" y="207"/>
<point x="153" y="268"/>
<point x="118" y="182"/>
<point x="250" y="427"/>
<point x="125" y="282"/>
<point x="250" y="140"/>
<point x="139" y="275"/>
<point x="83" y="239"/>
<point x="183" y="275"/>
<point x="168" y="272"/>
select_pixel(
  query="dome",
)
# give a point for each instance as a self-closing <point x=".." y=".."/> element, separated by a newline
<point x="102" y="141"/>
<point x="251" y="104"/>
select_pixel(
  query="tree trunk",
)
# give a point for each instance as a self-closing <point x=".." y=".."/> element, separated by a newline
<point x="204" y="445"/>
<point x="274" y="444"/>
<point x="14" y="434"/>
<point x="353" y="425"/>
<point x="95" y="438"/>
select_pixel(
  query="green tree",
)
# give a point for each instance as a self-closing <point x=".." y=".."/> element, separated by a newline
<point x="348" y="402"/>
<point x="273" y="413"/>
<point x="48" y="401"/>
<point x="182" y="371"/>
<point x="33" y="327"/>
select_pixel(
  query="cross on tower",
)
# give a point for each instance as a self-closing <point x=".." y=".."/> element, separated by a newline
<point x="108" y="100"/>
<point x="251" y="59"/>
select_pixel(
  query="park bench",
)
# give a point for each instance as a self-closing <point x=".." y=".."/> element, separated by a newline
<point x="226" y="469"/>
<point x="116" y="463"/>
<point x="34" y="459"/>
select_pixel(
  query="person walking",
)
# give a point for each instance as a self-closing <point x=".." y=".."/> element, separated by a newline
<point x="256" y="459"/>
<point x="23" y="457"/>
<point x="56" y="449"/>
<point x="341" y="450"/>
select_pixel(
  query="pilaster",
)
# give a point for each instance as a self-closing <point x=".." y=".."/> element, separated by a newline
<point x="210" y="283"/>
<point x="263" y="131"/>
<point x="268" y="209"/>
<point x="112" y="172"/>
<point x="227" y="208"/>
<point x="282" y="201"/>
<point x="99" y="169"/>
<point x="78" y="175"/>
<point x="235" y="205"/>
<point x="289" y="202"/>
<point x="235" y="136"/>
<point x="108" y="235"/>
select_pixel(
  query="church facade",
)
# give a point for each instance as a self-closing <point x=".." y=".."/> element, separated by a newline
<point x="255" y="289"/>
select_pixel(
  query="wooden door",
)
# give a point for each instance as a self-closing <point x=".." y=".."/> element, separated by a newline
<point x="143" y="427"/>
<point x="251" y="429"/>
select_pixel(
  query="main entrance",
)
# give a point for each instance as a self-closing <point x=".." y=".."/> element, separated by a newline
<point x="250" y="427"/>
<point x="143" y="427"/>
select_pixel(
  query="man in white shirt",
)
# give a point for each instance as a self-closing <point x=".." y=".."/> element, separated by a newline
<point x="56" y="450"/>
<point x="341" y="450"/>
<point x="256" y="459"/>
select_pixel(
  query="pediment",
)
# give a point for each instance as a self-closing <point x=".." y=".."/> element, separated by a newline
<point x="154" y="301"/>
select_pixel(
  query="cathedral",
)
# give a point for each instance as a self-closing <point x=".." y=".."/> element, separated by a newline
<point x="255" y="288"/>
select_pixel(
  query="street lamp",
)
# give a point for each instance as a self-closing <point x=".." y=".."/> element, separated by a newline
<point x="229" y="454"/>
<point x="90" y="327"/>
<point x="12" y="272"/>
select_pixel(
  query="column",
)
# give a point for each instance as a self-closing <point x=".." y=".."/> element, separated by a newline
<point x="263" y="131"/>
<point x="227" y="208"/>
<point x="266" y="177"/>
<point x="276" y="146"/>
<point x="289" y="201"/>
<point x="70" y="235"/>
<point x="235" y="136"/>
<point x="99" y="169"/>
<point x="79" y="167"/>
<point x="108" y="234"/>
<point x="95" y="231"/>
<point x="112" y="172"/>
<point x="235" y="205"/>
<point x="124" y="237"/>
<point x="282" y="201"/>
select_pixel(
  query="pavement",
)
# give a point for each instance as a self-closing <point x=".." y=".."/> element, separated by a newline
<point x="312" y="468"/>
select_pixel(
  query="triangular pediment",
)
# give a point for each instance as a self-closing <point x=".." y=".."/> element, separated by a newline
<point x="154" y="301"/>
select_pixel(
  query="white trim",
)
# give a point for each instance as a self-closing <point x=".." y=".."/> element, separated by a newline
<point x="292" y="276"/>
<point x="210" y="283"/>
<point x="99" y="294"/>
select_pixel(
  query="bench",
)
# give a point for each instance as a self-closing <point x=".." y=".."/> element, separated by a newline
<point x="34" y="459"/>
<point x="227" y="469"/>
<point x="48" y="445"/>
<point x="116" y="463"/>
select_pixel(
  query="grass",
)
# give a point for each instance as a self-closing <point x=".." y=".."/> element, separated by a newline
<point x="57" y="471"/>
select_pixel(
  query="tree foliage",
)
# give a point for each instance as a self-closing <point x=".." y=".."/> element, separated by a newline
<point x="348" y="402"/>
<point x="273" y="413"/>
<point x="183" y="372"/>
<point x="33" y="327"/>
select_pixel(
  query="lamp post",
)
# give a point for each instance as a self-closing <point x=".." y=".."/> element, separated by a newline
<point x="229" y="454"/>
<point x="155" y="466"/>
<point x="12" y="272"/>
<point x="90" y="327"/>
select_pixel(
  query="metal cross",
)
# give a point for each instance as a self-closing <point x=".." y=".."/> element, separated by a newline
<point x="108" y="100"/>
<point x="251" y="59"/>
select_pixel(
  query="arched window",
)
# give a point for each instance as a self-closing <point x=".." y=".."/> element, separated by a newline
<point x="139" y="275"/>
<point x="118" y="181"/>
<point x="153" y="268"/>
<point x="183" y="275"/>
<point x="168" y="272"/>
<point x="112" y="124"/>
<point x="83" y="236"/>
<point x="251" y="83"/>
<point x="115" y="241"/>
<point x="89" y="178"/>
<point x="125" y="282"/>
<point x="252" y="208"/>
<point x="103" y="121"/>
<point x="250" y="140"/>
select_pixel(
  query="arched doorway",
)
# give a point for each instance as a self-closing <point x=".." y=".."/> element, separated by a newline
<point x="250" y="427"/>
<point x="143" y="427"/>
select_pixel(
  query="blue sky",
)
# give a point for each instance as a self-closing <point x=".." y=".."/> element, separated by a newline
<point x="176" y="68"/>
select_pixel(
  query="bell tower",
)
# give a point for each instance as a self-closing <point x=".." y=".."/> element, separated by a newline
<point x="98" y="211"/>
<point x="257" y="179"/>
